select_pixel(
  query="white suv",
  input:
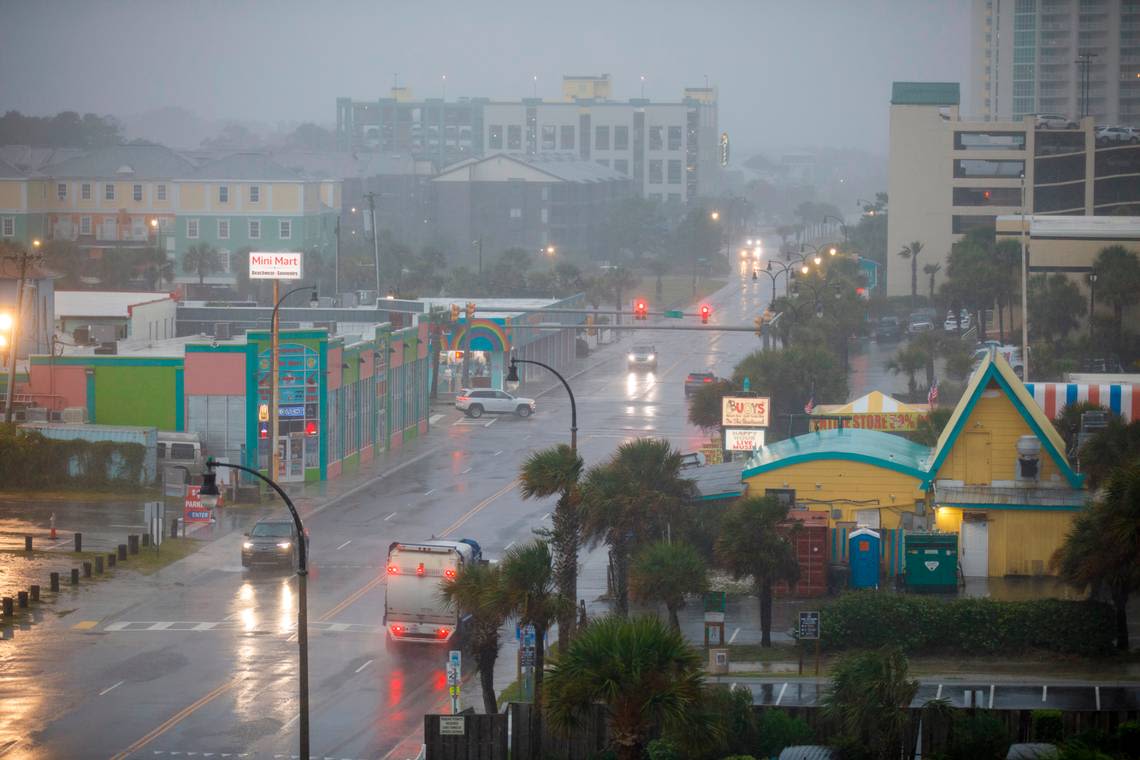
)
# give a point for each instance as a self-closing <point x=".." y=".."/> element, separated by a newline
<point x="1121" y="135"/>
<point x="480" y="401"/>
<point x="1054" y="121"/>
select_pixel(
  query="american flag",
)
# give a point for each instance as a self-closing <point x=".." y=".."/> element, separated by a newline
<point x="809" y="405"/>
<point x="932" y="396"/>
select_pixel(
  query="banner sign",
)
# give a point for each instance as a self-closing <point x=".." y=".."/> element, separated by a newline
<point x="744" y="411"/>
<point x="885" y="421"/>
<point x="194" y="510"/>
<point x="743" y="439"/>
<point x="291" y="411"/>
<point x="274" y="266"/>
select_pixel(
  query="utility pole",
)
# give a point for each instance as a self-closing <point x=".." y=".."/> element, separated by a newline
<point x="375" y="239"/>
<point x="1083" y="60"/>
<point x="1024" y="291"/>
<point x="479" y="248"/>
<point x="14" y="343"/>
<point x="336" y="260"/>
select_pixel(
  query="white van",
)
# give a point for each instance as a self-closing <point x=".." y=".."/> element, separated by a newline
<point x="180" y="449"/>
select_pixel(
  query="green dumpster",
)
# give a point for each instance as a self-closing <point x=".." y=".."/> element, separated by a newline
<point x="932" y="562"/>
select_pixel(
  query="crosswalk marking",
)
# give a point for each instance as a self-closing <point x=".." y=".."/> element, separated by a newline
<point x="180" y="626"/>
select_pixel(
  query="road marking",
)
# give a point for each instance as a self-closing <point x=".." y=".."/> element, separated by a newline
<point x="177" y="718"/>
<point x="491" y="422"/>
<point x="500" y="451"/>
<point x="434" y="419"/>
<point x="429" y="493"/>
<point x="478" y="507"/>
<point x="781" y="694"/>
<point x="543" y="518"/>
<point x="991" y="696"/>
<point x="463" y="473"/>
<point x="389" y="517"/>
<point x="85" y="625"/>
<point x="732" y="638"/>
<point x="346" y="543"/>
<point x="109" y="689"/>
<point x="1045" y="692"/>
<point x="508" y="546"/>
<point x="127" y="526"/>
<point x="365" y="665"/>
<point x="938" y="694"/>
<point x="1096" y="689"/>
<point x="354" y="596"/>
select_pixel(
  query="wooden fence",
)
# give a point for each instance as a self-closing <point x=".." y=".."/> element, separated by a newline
<point x="483" y="737"/>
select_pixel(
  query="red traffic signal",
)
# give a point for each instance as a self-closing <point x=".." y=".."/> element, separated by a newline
<point x="263" y="430"/>
<point x="311" y="428"/>
<point x="705" y="311"/>
<point x="640" y="309"/>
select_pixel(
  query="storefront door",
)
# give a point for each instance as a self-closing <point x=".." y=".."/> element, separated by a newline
<point x="291" y="458"/>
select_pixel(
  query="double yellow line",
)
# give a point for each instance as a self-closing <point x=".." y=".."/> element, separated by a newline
<point x="478" y="508"/>
<point x="177" y="718"/>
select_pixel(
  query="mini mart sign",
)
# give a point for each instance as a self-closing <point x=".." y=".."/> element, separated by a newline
<point x="265" y="265"/>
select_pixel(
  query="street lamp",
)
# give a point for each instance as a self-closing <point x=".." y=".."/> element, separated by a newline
<point x="548" y="250"/>
<point x="1092" y="301"/>
<point x="209" y="496"/>
<point x="715" y="216"/>
<point x="24" y="258"/>
<point x="867" y="206"/>
<point x="513" y="377"/>
<point x="842" y="225"/>
<point x="274" y="350"/>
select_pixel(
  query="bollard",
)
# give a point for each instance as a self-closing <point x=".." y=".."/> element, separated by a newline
<point x="52" y="523"/>
<point x="55" y="582"/>
<point x="22" y="599"/>
<point x="99" y="565"/>
<point x="78" y="542"/>
<point x="145" y="540"/>
<point x="133" y="544"/>
<point x="8" y="611"/>
<point x="123" y="552"/>
<point x="174" y="528"/>
<point x="35" y="592"/>
<point x="111" y="559"/>
<point x="86" y="569"/>
<point x="27" y="543"/>
<point x="75" y="576"/>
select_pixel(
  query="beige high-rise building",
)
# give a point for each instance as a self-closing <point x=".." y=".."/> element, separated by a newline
<point x="1032" y="56"/>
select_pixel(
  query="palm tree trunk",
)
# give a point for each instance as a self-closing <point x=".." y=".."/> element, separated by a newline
<point x="620" y="556"/>
<point x="486" y="663"/>
<point x="565" y="540"/>
<point x="673" y="619"/>
<point x="765" y="612"/>
<point x="1120" y="602"/>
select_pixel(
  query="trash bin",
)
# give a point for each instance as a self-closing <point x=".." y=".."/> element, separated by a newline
<point x="932" y="562"/>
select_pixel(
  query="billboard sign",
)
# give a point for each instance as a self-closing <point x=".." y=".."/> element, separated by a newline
<point x="266" y="265"/>
<point x="743" y="439"/>
<point x="744" y="411"/>
<point x="193" y="509"/>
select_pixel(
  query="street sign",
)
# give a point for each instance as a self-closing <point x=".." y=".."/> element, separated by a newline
<point x="454" y="670"/>
<point x="809" y="625"/>
<point x="154" y="515"/>
<point x="744" y="411"/>
<point x="268" y="265"/>
<point x="452" y="725"/>
<point x="675" y="314"/>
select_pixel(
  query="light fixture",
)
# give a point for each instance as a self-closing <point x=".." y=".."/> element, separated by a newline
<point x="208" y="494"/>
<point x="314" y="299"/>
<point x="513" y="372"/>
<point x="818" y="260"/>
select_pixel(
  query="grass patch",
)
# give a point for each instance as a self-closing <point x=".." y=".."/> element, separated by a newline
<point x="148" y="561"/>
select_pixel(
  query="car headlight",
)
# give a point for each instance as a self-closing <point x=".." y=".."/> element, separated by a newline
<point x="284" y="545"/>
<point x="650" y="358"/>
<point x="632" y="357"/>
<point x="247" y="545"/>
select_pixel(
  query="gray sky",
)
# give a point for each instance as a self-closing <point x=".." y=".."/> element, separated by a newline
<point x="794" y="73"/>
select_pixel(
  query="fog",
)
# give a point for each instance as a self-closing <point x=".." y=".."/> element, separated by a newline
<point x="790" y="74"/>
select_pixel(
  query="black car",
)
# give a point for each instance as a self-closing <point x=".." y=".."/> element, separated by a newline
<point x="694" y="381"/>
<point x="272" y="541"/>
<point x="888" y="329"/>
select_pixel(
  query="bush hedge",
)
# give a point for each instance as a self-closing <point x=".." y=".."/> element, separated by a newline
<point x="28" y="459"/>
<point x="871" y="619"/>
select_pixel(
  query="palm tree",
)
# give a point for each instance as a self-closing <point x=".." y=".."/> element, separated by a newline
<point x="201" y="258"/>
<point x="1102" y="550"/>
<point x="556" y="471"/>
<point x="478" y="591"/>
<point x="619" y="280"/>
<point x="1118" y="281"/>
<point x="911" y="252"/>
<point x="868" y="704"/>
<point x="658" y="266"/>
<point x="750" y="544"/>
<point x="931" y="270"/>
<point x="668" y="572"/>
<point x="907" y="361"/>
<point x="528" y="586"/>
<point x="1115" y="446"/>
<point x="644" y="673"/>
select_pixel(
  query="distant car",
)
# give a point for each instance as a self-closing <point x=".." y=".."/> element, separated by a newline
<point x="919" y="326"/>
<point x="1054" y="121"/>
<point x="480" y="401"/>
<point x="951" y="322"/>
<point x="888" y="329"/>
<point x="642" y="357"/>
<point x="1120" y="135"/>
<point x="694" y="381"/>
<point x="271" y="541"/>
<point x="964" y="320"/>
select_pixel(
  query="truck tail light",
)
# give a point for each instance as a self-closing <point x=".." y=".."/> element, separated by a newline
<point x="442" y="632"/>
<point x="449" y="573"/>
<point x="462" y="398"/>
<point x="397" y="630"/>
<point x="393" y="569"/>
<point x="420" y="569"/>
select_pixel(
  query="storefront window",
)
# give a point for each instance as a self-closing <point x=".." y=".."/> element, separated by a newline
<point x="298" y="408"/>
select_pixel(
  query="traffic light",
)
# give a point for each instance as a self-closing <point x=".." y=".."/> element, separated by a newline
<point x="454" y="312"/>
<point x="470" y="310"/>
<point x="640" y="309"/>
<point x="705" y="311"/>
<point x="263" y="430"/>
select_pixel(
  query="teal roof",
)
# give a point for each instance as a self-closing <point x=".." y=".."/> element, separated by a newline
<point x="925" y="94"/>
<point x="891" y="452"/>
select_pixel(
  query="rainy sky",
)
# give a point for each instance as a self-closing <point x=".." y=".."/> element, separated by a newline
<point x="796" y="73"/>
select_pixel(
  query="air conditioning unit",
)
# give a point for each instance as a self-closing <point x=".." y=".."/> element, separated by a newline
<point x="109" y="347"/>
<point x="82" y="335"/>
<point x="35" y="414"/>
<point x="74" y="415"/>
<point x="223" y="330"/>
<point x="103" y="333"/>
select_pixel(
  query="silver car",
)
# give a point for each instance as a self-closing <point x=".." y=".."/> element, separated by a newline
<point x="479" y="401"/>
<point x="1117" y="135"/>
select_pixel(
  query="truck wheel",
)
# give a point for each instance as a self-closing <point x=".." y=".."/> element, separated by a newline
<point x="475" y="410"/>
<point x="523" y="411"/>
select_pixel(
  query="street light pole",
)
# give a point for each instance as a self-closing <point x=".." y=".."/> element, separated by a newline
<point x="1092" y="301"/>
<point x="274" y="347"/>
<point x="513" y="377"/>
<point x="209" y="496"/>
<point x="1024" y="290"/>
<point x="14" y="340"/>
<point x="375" y="238"/>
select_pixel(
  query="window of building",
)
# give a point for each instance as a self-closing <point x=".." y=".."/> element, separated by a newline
<point x="192" y="229"/>
<point x="657" y="197"/>
<point x="989" y="196"/>
<point x="621" y="165"/>
<point x="223" y="229"/>
<point x="223" y="260"/>
<point x="61" y="191"/>
<point x="989" y="141"/>
<point x="255" y="229"/>
<point x="516" y="213"/>
<point x="675" y="172"/>
<point x="567" y="137"/>
<point x="108" y="192"/>
<point x="674" y="138"/>
<point x="8" y="226"/>
<point x="548" y="134"/>
<point x="961" y="224"/>
<point x="255" y="193"/>
<point x="601" y="138"/>
<point x="495" y="140"/>
<point x="977" y="167"/>
<point x="136" y="193"/>
<point x="656" y="176"/>
<point x="621" y="138"/>
<point x="604" y="162"/>
<point x="223" y="194"/>
<point x="85" y="191"/>
<point x="160" y="192"/>
<point x="284" y="228"/>
<point x="514" y="137"/>
<point x="84" y="225"/>
<point x="656" y="138"/>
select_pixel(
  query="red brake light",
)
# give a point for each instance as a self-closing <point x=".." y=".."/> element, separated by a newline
<point x="393" y="569"/>
<point x="397" y="630"/>
<point x="449" y="573"/>
<point x="420" y="569"/>
<point x="707" y="380"/>
<point x="463" y="398"/>
<point x="442" y="632"/>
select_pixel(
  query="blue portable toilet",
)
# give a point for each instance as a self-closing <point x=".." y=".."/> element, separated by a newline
<point x="863" y="553"/>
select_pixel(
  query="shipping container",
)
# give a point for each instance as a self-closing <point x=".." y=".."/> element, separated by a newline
<point x="809" y="534"/>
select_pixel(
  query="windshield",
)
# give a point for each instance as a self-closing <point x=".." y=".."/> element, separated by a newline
<point x="643" y="349"/>
<point x="272" y="530"/>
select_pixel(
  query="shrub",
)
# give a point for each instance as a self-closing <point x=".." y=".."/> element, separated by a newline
<point x="868" y="620"/>
<point x="28" y="459"/>
<point x="978" y="737"/>
<point x="662" y="749"/>
<point x="1046" y="726"/>
<point x="778" y="730"/>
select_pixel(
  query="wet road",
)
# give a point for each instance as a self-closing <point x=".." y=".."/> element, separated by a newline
<point x="200" y="657"/>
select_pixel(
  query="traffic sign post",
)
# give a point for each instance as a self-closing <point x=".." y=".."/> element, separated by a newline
<point x="454" y="671"/>
<point x="527" y="662"/>
<point x="809" y="629"/>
